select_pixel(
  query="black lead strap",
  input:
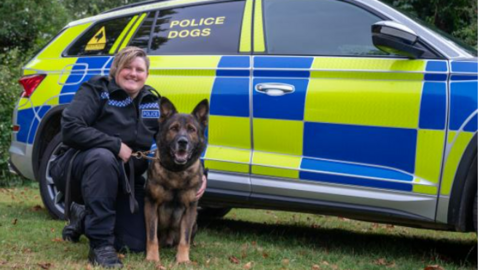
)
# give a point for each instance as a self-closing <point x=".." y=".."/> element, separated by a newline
<point x="129" y="184"/>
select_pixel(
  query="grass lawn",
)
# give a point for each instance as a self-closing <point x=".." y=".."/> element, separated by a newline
<point x="245" y="239"/>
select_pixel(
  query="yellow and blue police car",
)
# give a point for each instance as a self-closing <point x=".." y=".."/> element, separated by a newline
<point x="341" y="107"/>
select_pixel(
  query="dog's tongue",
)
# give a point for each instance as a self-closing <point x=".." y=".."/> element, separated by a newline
<point x="181" y="156"/>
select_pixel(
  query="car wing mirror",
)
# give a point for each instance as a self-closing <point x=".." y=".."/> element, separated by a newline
<point x="396" y="38"/>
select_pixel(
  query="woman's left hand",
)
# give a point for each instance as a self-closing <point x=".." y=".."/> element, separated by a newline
<point x="202" y="188"/>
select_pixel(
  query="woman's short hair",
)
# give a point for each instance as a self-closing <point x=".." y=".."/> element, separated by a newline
<point x="125" y="57"/>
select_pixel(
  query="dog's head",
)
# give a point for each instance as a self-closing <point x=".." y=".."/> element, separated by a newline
<point x="181" y="138"/>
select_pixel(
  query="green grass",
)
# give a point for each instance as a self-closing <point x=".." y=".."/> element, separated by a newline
<point x="245" y="239"/>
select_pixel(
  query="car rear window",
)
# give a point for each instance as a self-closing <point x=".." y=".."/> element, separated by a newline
<point x="99" y="39"/>
<point x="201" y="29"/>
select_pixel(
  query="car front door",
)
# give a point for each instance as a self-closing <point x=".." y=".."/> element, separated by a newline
<point x="337" y="121"/>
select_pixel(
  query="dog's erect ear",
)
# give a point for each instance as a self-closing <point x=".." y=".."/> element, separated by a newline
<point x="201" y="112"/>
<point x="167" y="109"/>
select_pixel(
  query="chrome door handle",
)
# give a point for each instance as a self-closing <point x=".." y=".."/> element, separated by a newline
<point x="275" y="89"/>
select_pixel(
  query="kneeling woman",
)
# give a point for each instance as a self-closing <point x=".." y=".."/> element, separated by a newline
<point x="109" y="118"/>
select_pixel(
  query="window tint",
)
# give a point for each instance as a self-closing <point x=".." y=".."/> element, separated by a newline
<point x="142" y="37"/>
<point x="201" y="29"/>
<point x="100" y="38"/>
<point x="312" y="27"/>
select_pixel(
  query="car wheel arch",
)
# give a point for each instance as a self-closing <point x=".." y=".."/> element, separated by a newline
<point x="48" y="128"/>
<point x="464" y="189"/>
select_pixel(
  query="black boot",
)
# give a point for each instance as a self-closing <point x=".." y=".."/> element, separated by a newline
<point x="104" y="256"/>
<point x="75" y="228"/>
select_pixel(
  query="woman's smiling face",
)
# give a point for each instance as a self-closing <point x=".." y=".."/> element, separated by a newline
<point x="132" y="76"/>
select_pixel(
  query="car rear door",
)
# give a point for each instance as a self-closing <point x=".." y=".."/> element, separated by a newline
<point x="196" y="53"/>
<point x="338" y="122"/>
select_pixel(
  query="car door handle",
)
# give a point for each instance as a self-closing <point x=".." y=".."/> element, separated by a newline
<point x="275" y="89"/>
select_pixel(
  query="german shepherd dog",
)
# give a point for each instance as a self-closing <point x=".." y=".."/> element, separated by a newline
<point x="174" y="178"/>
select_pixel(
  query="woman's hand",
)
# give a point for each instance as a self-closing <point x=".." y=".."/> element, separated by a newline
<point x="125" y="153"/>
<point x="202" y="188"/>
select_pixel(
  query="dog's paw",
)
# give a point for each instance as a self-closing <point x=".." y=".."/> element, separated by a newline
<point x="187" y="262"/>
<point x="152" y="258"/>
<point x="183" y="260"/>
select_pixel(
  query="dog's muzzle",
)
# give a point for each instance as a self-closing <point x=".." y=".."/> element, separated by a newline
<point x="182" y="151"/>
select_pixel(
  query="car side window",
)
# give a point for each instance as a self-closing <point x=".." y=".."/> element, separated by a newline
<point x="312" y="27"/>
<point x="99" y="39"/>
<point x="142" y="36"/>
<point x="200" y="29"/>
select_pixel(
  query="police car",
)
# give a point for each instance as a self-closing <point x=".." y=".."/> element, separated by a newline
<point x="339" y="107"/>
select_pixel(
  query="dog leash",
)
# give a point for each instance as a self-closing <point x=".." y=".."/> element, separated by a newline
<point x="128" y="183"/>
<point x="144" y="155"/>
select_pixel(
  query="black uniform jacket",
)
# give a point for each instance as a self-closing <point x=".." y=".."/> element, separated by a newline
<point x="102" y="115"/>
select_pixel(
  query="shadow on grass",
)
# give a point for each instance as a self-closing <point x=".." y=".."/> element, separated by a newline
<point x="370" y="243"/>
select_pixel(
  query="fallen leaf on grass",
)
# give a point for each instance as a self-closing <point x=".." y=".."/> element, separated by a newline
<point x="121" y="256"/>
<point x="285" y="261"/>
<point x="3" y="262"/>
<point x="234" y="259"/>
<point x="247" y="266"/>
<point x="434" y="267"/>
<point x="325" y="263"/>
<point x="244" y="251"/>
<point x="36" y="208"/>
<point x="88" y="267"/>
<point x="14" y="222"/>
<point x="57" y="239"/>
<point x="44" y="265"/>
<point x="160" y="267"/>
<point x="384" y="262"/>
<point x="380" y="262"/>
<point x="26" y="250"/>
<point x="316" y="267"/>
<point x="265" y="255"/>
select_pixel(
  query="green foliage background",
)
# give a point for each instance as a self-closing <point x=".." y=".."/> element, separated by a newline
<point x="27" y="25"/>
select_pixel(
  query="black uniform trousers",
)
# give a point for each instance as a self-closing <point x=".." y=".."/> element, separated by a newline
<point x="109" y="221"/>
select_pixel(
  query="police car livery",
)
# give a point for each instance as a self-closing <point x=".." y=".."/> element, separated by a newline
<point x="343" y="107"/>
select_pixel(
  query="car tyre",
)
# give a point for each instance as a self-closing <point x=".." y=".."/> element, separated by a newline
<point x="53" y="200"/>
<point x="475" y="212"/>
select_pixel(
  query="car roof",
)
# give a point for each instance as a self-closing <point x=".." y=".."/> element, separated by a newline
<point x="447" y="48"/>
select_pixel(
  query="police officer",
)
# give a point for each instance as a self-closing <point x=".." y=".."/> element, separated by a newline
<point x="109" y="118"/>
